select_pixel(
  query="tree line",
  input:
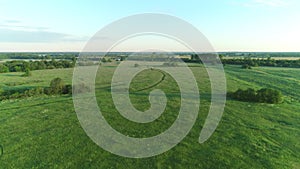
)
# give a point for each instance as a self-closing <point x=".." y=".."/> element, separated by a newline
<point x="246" y="62"/>
<point x="252" y="62"/>
<point x="23" y="66"/>
<point x="260" y="54"/>
<point x="47" y="55"/>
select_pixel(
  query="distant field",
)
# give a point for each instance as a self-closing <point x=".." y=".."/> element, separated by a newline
<point x="43" y="132"/>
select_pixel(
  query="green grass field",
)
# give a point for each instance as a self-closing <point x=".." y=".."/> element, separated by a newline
<point x="44" y="132"/>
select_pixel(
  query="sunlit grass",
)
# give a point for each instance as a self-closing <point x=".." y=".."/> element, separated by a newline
<point x="43" y="132"/>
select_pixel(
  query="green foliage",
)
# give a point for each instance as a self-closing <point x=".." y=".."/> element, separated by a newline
<point x="246" y="66"/>
<point x="195" y="57"/>
<point x="56" y="86"/>
<point x="3" y="68"/>
<point x="269" y="96"/>
<point x="136" y="65"/>
<point x="106" y="59"/>
<point x="39" y="56"/>
<point x="264" y="95"/>
<point x="23" y="66"/>
<point x="21" y="93"/>
<point x="27" y="73"/>
<point x="67" y="89"/>
<point x="251" y="62"/>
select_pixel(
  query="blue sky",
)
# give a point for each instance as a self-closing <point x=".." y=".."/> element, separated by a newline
<point x="230" y="25"/>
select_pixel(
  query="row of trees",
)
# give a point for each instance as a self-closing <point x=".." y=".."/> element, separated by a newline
<point x="260" y="54"/>
<point x="264" y="95"/>
<point x="56" y="87"/>
<point x="47" y="55"/>
<point x="246" y="62"/>
<point x="249" y="62"/>
<point x="22" y="66"/>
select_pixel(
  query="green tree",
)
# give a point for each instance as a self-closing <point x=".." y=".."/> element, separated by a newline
<point x="56" y="86"/>
<point x="3" y="68"/>
<point x="264" y="95"/>
<point x="27" y="73"/>
<point x="269" y="96"/>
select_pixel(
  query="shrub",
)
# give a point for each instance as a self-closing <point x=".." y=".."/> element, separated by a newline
<point x="27" y="73"/>
<point x="263" y="95"/>
<point x="269" y="96"/>
<point x="246" y="66"/>
<point x="47" y="90"/>
<point x="67" y="89"/>
<point x="56" y="86"/>
<point x="3" y="68"/>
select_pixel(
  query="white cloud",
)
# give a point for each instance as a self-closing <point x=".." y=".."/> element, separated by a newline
<point x="15" y="24"/>
<point x="11" y="35"/>
<point x="13" y="30"/>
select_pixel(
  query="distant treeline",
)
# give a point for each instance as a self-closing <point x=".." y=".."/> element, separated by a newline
<point x="70" y="55"/>
<point x="249" y="62"/>
<point x="50" y="55"/>
<point x="246" y="62"/>
<point x="23" y="66"/>
<point x="260" y="54"/>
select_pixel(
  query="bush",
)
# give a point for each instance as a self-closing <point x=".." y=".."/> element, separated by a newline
<point x="269" y="96"/>
<point x="106" y="60"/>
<point x="246" y="66"/>
<point x="262" y="96"/>
<point x="34" y="92"/>
<point x="67" y="89"/>
<point x="27" y="73"/>
<point x="3" y="68"/>
<point x="56" y="86"/>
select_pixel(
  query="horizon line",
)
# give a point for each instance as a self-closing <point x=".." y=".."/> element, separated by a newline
<point x="149" y="52"/>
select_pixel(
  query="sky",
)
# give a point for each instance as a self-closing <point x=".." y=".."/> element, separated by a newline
<point x="229" y="25"/>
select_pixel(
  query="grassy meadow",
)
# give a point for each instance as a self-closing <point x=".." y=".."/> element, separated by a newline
<point x="44" y="132"/>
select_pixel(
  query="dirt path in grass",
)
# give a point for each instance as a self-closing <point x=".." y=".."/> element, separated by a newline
<point x="155" y="84"/>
